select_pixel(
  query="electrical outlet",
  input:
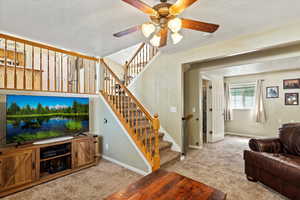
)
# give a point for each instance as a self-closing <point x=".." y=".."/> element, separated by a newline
<point x="106" y="146"/>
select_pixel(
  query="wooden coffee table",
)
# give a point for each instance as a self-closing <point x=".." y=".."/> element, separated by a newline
<point x="163" y="185"/>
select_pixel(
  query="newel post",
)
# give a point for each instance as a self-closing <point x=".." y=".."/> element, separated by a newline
<point x="156" y="126"/>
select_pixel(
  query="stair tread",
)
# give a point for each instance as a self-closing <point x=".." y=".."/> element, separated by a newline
<point x="163" y="145"/>
<point x="168" y="156"/>
<point x="160" y="135"/>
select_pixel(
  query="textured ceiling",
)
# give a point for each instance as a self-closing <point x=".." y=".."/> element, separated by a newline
<point x="87" y="25"/>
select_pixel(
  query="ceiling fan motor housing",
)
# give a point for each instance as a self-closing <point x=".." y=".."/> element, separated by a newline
<point x="163" y="14"/>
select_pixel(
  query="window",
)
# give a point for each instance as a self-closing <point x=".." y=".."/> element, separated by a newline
<point x="242" y="96"/>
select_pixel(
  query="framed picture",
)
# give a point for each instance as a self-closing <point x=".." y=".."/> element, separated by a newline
<point x="272" y="92"/>
<point x="291" y="99"/>
<point x="291" y="84"/>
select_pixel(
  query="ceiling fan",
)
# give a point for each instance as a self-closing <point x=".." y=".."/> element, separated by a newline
<point x="164" y="17"/>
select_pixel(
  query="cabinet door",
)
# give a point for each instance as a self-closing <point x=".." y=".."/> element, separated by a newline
<point x="17" y="169"/>
<point x="84" y="152"/>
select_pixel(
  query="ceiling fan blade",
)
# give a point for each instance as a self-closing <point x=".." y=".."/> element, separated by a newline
<point x="163" y="37"/>
<point x="199" y="26"/>
<point x="127" y="31"/>
<point x="142" y="6"/>
<point x="180" y="5"/>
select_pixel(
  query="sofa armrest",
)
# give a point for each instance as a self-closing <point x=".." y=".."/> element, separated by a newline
<point x="271" y="145"/>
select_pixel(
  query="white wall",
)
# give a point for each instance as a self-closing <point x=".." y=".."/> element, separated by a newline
<point x="277" y="112"/>
<point x="115" y="67"/>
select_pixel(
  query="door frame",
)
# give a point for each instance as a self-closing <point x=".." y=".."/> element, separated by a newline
<point x="185" y="68"/>
<point x="203" y="77"/>
<point x="208" y="117"/>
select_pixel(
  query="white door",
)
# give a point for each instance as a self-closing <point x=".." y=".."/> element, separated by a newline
<point x="217" y="97"/>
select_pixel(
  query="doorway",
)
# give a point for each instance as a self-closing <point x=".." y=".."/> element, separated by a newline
<point x="205" y="90"/>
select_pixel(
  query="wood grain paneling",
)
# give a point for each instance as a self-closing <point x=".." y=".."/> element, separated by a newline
<point x="164" y="185"/>
<point x="84" y="152"/>
<point x="20" y="166"/>
<point x="17" y="169"/>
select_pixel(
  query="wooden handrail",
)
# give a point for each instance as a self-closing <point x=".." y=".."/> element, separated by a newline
<point x="127" y="91"/>
<point x="189" y="116"/>
<point x="137" y="63"/>
<point x="134" y="55"/>
<point x="44" y="46"/>
<point x="63" y="77"/>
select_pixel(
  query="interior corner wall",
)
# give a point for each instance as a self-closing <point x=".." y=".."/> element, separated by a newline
<point x="117" y="144"/>
<point x="115" y="67"/>
<point x="124" y="55"/>
<point x="276" y="111"/>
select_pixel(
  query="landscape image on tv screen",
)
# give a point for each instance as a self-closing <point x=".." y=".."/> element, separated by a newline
<point x="32" y="118"/>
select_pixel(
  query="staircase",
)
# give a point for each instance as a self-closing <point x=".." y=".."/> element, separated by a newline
<point x="138" y="62"/>
<point x="140" y="125"/>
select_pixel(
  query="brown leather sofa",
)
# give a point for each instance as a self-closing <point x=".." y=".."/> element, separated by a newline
<point x="276" y="162"/>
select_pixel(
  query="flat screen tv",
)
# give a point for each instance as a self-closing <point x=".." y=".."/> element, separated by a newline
<point x="31" y="118"/>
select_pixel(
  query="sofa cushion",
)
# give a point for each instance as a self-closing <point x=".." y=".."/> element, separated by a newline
<point x="290" y="139"/>
<point x="284" y="166"/>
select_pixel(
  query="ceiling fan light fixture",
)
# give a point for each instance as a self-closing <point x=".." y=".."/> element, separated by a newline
<point x="175" y="24"/>
<point x="155" y="41"/>
<point x="148" y="29"/>
<point x="176" y="37"/>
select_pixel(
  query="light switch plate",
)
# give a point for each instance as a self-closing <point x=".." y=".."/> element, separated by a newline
<point x="173" y="109"/>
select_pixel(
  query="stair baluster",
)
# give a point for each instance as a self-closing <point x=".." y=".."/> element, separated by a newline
<point x="139" y="60"/>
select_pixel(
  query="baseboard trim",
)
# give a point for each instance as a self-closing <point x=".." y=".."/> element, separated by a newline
<point x="168" y="138"/>
<point x="139" y="171"/>
<point x="194" y="147"/>
<point x="244" y="135"/>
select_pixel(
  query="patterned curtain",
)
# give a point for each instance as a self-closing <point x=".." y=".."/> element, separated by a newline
<point x="260" y="114"/>
<point x="228" y="110"/>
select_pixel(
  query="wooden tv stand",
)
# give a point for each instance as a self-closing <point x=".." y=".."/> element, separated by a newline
<point x="26" y="166"/>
